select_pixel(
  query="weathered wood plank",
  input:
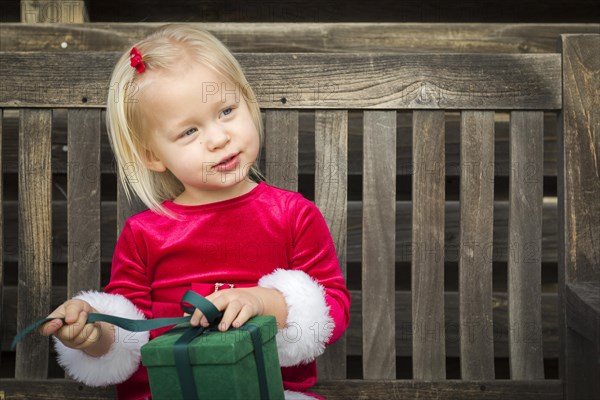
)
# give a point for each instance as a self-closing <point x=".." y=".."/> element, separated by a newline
<point x="428" y="246"/>
<point x="83" y="200"/>
<point x="497" y="249"/>
<point x="579" y="209"/>
<point x="583" y="310"/>
<point x="497" y="333"/>
<point x="404" y="333"/>
<point x="525" y="234"/>
<point x="306" y="154"/>
<point x="331" y="194"/>
<point x="344" y="389"/>
<point x="306" y="37"/>
<point x="54" y="389"/>
<point x="281" y="143"/>
<point x="53" y="12"/>
<point x="378" y="269"/>
<point x="2" y="323"/>
<point x="578" y="180"/>
<point x="582" y="375"/>
<point x="35" y="239"/>
<point x="476" y="227"/>
<point x="379" y="81"/>
<point x="478" y="390"/>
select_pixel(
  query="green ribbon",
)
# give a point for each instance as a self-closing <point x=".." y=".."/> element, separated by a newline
<point x="180" y="348"/>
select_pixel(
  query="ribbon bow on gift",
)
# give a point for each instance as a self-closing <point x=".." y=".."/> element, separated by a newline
<point x="190" y="301"/>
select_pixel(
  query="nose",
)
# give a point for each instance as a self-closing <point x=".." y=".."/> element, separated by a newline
<point x="216" y="136"/>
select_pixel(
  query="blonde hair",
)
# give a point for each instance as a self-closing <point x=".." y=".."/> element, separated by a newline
<point x="162" y="50"/>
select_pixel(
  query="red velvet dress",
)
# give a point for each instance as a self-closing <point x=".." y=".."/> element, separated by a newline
<point x="236" y="242"/>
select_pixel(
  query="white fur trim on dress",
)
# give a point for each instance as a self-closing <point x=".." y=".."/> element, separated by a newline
<point x="289" y="395"/>
<point x="309" y="325"/>
<point x="123" y="358"/>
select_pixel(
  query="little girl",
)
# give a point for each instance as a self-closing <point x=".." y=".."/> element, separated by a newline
<point x="186" y="132"/>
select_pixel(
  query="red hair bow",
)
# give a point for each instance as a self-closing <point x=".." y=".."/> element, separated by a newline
<point x="136" y="60"/>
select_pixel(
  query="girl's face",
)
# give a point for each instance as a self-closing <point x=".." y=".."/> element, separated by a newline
<point x="200" y="129"/>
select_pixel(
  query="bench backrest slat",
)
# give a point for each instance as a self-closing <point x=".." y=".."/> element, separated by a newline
<point x="83" y="200"/>
<point x="346" y="81"/>
<point x="331" y="194"/>
<point x="281" y="142"/>
<point x="525" y="243"/>
<point x="580" y="158"/>
<point x="379" y="238"/>
<point x="35" y="237"/>
<point x="579" y="212"/>
<point x="307" y="37"/>
<point x="476" y="238"/>
<point x="428" y="196"/>
<point x="2" y="315"/>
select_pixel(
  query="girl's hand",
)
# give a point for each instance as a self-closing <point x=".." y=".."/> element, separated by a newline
<point x="239" y="305"/>
<point x="73" y="332"/>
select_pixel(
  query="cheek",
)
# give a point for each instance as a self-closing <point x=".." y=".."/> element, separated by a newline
<point x="252" y="136"/>
<point x="183" y="158"/>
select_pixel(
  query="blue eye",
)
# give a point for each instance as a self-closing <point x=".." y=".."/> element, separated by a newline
<point x="227" y="111"/>
<point x="189" y="132"/>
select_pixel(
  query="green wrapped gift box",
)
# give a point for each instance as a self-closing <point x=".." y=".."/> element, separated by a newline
<point x="223" y="363"/>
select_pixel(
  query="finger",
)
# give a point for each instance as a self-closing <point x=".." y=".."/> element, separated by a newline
<point x="88" y="335"/>
<point x="243" y="316"/>
<point x="231" y="313"/>
<point x="82" y="330"/>
<point x="198" y="319"/>
<point x="71" y="331"/>
<point x="73" y="311"/>
<point x="50" y="327"/>
<point x="59" y="312"/>
<point x="53" y="325"/>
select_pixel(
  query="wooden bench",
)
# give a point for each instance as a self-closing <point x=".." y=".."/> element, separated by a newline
<point x="378" y="140"/>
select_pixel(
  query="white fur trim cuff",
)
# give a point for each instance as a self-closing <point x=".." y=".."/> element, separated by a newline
<point x="309" y="325"/>
<point x="123" y="358"/>
<point x="289" y="395"/>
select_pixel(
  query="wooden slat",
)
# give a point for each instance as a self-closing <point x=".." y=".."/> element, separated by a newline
<point x="378" y="269"/>
<point x="381" y="81"/>
<point x="281" y="142"/>
<point x="402" y="389"/>
<point x="331" y="193"/>
<point x="498" y="333"/>
<point x="306" y="154"/>
<point x="583" y="310"/>
<point x="429" y="356"/>
<point x="307" y="37"/>
<point x="54" y="389"/>
<point x="35" y="239"/>
<point x="83" y="200"/>
<point x="2" y="317"/>
<point x="476" y="227"/>
<point x="498" y="249"/>
<point x="344" y="389"/>
<point x="525" y="243"/>
<point x="578" y="178"/>
<point x="53" y="11"/>
<point x="579" y="208"/>
<point x="403" y="318"/>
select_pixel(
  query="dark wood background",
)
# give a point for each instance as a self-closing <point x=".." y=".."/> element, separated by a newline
<point x="331" y="11"/>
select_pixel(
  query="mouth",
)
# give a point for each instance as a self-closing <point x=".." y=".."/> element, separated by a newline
<point x="227" y="163"/>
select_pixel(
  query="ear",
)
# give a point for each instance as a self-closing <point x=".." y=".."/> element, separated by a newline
<point x="152" y="162"/>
